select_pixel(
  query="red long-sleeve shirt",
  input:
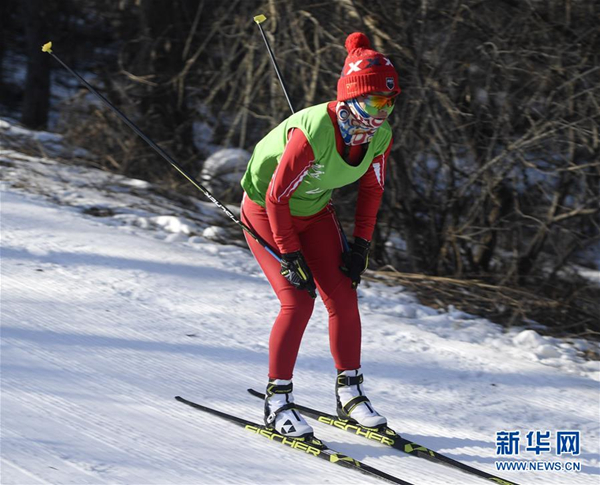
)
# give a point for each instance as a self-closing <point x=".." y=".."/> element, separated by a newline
<point x="295" y="162"/>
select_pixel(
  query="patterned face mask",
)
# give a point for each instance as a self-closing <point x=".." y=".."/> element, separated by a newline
<point x="356" y="125"/>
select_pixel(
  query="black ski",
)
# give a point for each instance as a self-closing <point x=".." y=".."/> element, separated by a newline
<point x="312" y="446"/>
<point x="389" y="437"/>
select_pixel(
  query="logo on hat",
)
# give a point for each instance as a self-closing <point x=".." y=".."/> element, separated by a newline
<point x="389" y="82"/>
<point x="351" y="87"/>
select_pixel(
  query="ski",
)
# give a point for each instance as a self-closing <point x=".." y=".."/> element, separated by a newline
<point x="311" y="446"/>
<point x="389" y="437"/>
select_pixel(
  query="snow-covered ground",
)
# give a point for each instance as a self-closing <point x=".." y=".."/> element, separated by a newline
<point x="106" y="319"/>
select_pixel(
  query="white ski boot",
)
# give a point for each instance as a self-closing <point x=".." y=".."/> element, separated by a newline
<point x="281" y="413"/>
<point x="352" y="404"/>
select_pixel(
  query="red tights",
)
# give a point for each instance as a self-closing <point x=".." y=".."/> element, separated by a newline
<point x="322" y="249"/>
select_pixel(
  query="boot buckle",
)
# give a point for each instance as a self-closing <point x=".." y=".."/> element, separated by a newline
<point x="346" y="381"/>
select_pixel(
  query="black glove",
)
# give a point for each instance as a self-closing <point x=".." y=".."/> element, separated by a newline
<point x="296" y="271"/>
<point x="356" y="260"/>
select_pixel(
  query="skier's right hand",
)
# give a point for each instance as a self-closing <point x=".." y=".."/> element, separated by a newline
<point x="356" y="260"/>
<point x="296" y="271"/>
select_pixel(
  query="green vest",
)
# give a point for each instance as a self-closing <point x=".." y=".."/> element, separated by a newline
<point x="329" y="170"/>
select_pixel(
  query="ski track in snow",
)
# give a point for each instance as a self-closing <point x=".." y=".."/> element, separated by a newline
<point x="103" y="324"/>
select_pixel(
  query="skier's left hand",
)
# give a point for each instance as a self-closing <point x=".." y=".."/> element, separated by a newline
<point x="356" y="260"/>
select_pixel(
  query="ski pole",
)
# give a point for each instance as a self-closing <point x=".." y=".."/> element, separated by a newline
<point x="259" y="19"/>
<point x="48" y="48"/>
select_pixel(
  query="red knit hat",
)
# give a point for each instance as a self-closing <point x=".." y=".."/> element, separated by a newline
<point x="365" y="70"/>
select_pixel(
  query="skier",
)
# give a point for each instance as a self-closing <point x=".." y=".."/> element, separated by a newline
<point x="287" y="202"/>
